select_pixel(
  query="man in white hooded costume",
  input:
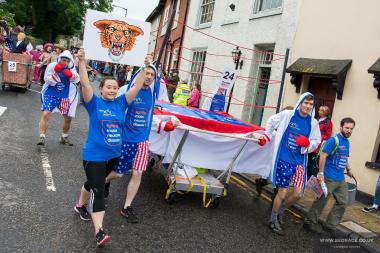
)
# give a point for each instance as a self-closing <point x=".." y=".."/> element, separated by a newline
<point x="295" y="133"/>
<point x="59" y="94"/>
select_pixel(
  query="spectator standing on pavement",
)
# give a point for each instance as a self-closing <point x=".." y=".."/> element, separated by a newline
<point x="326" y="127"/>
<point x="59" y="94"/>
<point x="332" y="164"/>
<point x="295" y="133"/>
<point x="195" y="96"/>
<point x="376" y="199"/>
<point x="45" y="57"/>
<point x="122" y="75"/>
<point x="58" y="49"/>
<point x="36" y="54"/>
<point x="103" y="145"/>
<point x="172" y="84"/>
<point x="2" y="41"/>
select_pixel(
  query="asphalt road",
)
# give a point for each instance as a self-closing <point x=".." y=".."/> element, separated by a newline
<point x="34" y="219"/>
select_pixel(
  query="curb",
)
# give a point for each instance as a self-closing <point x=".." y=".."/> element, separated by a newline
<point x="373" y="248"/>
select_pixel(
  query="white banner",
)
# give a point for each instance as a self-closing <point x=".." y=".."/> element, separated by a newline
<point x="115" y="39"/>
<point x="12" y="66"/>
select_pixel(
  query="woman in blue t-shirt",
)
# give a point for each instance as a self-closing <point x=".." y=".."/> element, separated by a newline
<point x="103" y="145"/>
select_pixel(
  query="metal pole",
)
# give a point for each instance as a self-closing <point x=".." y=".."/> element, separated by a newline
<point x="168" y="30"/>
<point x="232" y="89"/>
<point x="282" y="80"/>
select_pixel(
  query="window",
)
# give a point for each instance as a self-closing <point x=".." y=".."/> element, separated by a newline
<point x="199" y="58"/>
<point x="175" y="23"/>
<point x="265" y="5"/>
<point x="207" y="10"/>
<point x="165" y="20"/>
<point x="175" y="58"/>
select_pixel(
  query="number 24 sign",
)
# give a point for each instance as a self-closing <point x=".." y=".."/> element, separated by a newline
<point x="12" y="66"/>
<point x="227" y="79"/>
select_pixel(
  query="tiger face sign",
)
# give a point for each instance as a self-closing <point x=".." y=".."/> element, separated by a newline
<point x="117" y="36"/>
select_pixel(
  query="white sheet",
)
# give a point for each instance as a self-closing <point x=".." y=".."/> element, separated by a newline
<point x="212" y="152"/>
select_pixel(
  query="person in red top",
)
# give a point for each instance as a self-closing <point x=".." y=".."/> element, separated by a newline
<point x="195" y="96"/>
<point x="326" y="126"/>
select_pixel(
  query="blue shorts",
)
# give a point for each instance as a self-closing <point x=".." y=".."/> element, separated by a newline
<point x="133" y="155"/>
<point x="284" y="173"/>
<point x="49" y="103"/>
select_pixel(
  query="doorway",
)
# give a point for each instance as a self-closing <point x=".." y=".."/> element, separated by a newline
<point x="323" y="91"/>
<point x="261" y="95"/>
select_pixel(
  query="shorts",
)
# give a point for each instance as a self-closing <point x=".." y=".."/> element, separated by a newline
<point x="133" y="155"/>
<point x="289" y="174"/>
<point x="51" y="102"/>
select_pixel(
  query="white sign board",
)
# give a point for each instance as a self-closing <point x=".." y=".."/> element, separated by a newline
<point x="12" y="66"/>
<point x="111" y="38"/>
<point x="227" y="79"/>
<point x="222" y="92"/>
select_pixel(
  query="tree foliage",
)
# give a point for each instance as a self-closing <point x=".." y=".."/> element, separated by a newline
<point x="49" y="18"/>
<point x="7" y="16"/>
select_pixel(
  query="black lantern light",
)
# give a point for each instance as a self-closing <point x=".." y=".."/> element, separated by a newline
<point x="236" y="55"/>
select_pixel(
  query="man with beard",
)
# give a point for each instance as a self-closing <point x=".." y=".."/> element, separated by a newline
<point x="333" y="161"/>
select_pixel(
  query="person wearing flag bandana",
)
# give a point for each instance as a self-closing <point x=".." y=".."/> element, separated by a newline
<point x="295" y="133"/>
<point x="136" y="130"/>
<point x="59" y="94"/>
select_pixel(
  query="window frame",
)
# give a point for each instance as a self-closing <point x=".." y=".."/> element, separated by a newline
<point x="256" y="13"/>
<point x="165" y="20"/>
<point x="201" y="5"/>
<point x="196" y="71"/>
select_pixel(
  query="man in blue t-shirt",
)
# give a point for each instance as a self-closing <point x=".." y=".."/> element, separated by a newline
<point x="332" y="164"/>
<point x="295" y="133"/>
<point x="135" y="146"/>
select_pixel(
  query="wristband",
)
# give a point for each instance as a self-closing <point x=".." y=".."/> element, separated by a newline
<point x="320" y="173"/>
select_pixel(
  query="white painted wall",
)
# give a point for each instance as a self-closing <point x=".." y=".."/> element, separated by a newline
<point x="242" y="28"/>
<point x="337" y="35"/>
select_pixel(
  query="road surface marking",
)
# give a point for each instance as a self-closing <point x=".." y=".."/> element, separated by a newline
<point x="36" y="91"/>
<point x="2" y="110"/>
<point x="245" y="187"/>
<point x="47" y="170"/>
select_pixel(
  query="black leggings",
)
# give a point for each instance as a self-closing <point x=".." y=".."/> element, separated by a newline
<point x="42" y="73"/>
<point x="96" y="173"/>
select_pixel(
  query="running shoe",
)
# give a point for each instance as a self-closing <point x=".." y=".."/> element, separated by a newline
<point x="102" y="238"/>
<point x="41" y="141"/>
<point x="82" y="211"/>
<point x="65" y="141"/>
<point x="369" y="209"/>
<point x="276" y="227"/>
<point x="107" y="190"/>
<point x="129" y="215"/>
<point x="316" y="228"/>
<point x="280" y="218"/>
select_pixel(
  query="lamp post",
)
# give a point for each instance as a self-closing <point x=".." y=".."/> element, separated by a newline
<point x="236" y="55"/>
<point x="126" y="10"/>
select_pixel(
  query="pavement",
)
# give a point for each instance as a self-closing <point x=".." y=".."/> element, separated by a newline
<point x="358" y="225"/>
<point x="38" y="189"/>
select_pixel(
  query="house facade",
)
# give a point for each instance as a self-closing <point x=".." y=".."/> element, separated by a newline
<point x="336" y="57"/>
<point x="170" y="57"/>
<point x="263" y="29"/>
